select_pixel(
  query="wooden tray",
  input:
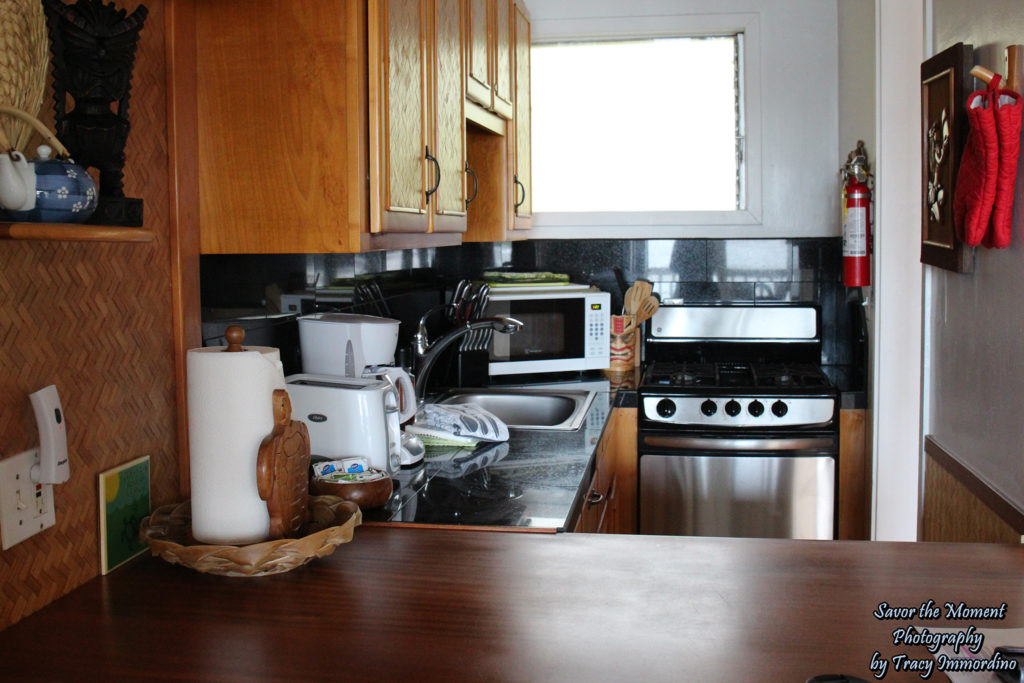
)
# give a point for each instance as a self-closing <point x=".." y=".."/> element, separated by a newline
<point x="168" y="531"/>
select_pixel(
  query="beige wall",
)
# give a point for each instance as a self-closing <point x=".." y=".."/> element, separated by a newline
<point x="974" y="323"/>
<point x="856" y="76"/>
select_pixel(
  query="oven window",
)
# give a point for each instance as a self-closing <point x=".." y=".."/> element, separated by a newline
<point x="552" y="329"/>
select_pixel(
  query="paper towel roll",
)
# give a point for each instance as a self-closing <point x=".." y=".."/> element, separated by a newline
<point x="229" y="413"/>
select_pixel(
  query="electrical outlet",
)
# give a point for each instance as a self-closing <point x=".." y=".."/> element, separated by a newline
<point x="26" y="508"/>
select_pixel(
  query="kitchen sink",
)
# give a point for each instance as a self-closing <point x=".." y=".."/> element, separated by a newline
<point x="529" y="409"/>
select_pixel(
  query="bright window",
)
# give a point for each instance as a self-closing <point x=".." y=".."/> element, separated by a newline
<point x="653" y="125"/>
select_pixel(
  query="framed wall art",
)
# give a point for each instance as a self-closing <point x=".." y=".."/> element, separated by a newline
<point x="945" y="84"/>
<point x="124" y="502"/>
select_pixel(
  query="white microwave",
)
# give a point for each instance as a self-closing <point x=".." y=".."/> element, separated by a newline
<point x="565" y="328"/>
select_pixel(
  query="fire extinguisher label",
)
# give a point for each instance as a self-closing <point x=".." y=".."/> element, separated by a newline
<point x="855" y="231"/>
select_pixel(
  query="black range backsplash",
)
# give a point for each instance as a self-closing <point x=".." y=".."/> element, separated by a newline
<point x="690" y="270"/>
<point x="713" y="271"/>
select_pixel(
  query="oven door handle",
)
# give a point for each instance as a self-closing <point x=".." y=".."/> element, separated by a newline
<point x="734" y="444"/>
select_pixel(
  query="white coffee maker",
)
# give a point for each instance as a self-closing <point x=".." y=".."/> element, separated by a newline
<point x="352" y="345"/>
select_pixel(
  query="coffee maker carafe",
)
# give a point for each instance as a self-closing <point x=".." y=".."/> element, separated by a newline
<point x="353" y="345"/>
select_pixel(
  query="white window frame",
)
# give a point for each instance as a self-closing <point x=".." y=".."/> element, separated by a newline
<point x="656" y="224"/>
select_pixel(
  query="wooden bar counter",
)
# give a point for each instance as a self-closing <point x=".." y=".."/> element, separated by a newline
<point x="428" y="604"/>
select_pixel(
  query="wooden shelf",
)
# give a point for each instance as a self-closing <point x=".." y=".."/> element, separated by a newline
<point x="74" y="232"/>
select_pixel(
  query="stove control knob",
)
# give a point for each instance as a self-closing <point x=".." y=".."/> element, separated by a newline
<point x="756" y="408"/>
<point x="666" y="407"/>
<point x="733" y="408"/>
<point x="779" y="409"/>
<point x="709" y="407"/>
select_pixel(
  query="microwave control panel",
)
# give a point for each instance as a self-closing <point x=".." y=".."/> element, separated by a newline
<point x="597" y="323"/>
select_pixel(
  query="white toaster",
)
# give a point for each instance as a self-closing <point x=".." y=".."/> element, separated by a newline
<point x="349" y="416"/>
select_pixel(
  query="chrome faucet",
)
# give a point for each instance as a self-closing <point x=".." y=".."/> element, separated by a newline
<point x="427" y="351"/>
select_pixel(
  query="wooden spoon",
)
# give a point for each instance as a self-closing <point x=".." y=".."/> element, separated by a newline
<point x="635" y="296"/>
<point x="648" y="307"/>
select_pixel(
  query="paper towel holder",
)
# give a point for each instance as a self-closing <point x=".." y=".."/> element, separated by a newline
<point x="235" y="335"/>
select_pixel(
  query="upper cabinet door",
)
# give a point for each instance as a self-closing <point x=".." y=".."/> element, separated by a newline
<point x="399" y="140"/>
<point x="478" y="63"/>
<point x="502" y="50"/>
<point x="448" y="201"/>
<point x="489" y="77"/>
<point x="279" y="151"/>
<point x="522" y="201"/>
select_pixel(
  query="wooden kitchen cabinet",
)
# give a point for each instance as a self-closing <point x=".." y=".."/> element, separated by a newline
<point x="478" y="52"/>
<point x="499" y="154"/>
<point x="522" y="178"/>
<point x="594" y="516"/>
<point x="490" y="216"/>
<point x="489" y="76"/>
<point x="284" y="102"/>
<point x="417" y="124"/>
<point x="854" y="476"/>
<point x="610" y="504"/>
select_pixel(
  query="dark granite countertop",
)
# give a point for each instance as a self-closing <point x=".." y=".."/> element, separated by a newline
<point x="532" y="481"/>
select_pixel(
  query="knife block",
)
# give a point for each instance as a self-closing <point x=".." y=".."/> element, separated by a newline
<point x="471" y="367"/>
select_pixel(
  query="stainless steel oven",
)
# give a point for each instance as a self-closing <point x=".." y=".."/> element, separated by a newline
<point x="761" y="487"/>
<point x="738" y="434"/>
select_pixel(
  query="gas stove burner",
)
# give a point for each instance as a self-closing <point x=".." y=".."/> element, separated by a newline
<point x="684" y="378"/>
<point x="745" y="376"/>
<point x="688" y="376"/>
<point x="783" y="376"/>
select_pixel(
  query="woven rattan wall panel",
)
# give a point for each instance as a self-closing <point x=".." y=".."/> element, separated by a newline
<point x="94" y="319"/>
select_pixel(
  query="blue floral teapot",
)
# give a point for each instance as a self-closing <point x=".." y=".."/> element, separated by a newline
<point x="44" y="190"/>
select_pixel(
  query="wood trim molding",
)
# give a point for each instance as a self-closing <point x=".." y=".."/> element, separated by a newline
<point x="484" y="118"/>
<point x="75" y="232"/>
<point x="1006" y="510"/>
<point x="183" y="144"/>
<point x="408" y="240"/>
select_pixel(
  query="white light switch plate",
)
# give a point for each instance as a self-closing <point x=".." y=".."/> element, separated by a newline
<point x="26" y="508"/>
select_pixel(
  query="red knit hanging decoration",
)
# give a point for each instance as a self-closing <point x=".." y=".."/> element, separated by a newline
<point x="1007" y="109"/>
<point x="977" y="179"/>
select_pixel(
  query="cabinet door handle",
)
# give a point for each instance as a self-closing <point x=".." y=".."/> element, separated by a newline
<point x="476" y="184"/>
<point x="594" y="498"/>
<point x="515" y="179"/>
<point x="437" y="176"/>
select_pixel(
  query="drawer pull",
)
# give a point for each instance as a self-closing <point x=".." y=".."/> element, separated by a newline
<point x="519" y="202"/>
<point x="437" y="174"/>
<point x="476" y="184"/>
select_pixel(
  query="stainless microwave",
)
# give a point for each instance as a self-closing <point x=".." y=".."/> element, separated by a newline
<point x="565" y="328"/>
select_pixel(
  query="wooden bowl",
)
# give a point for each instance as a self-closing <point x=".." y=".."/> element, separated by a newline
<point x="365" y="494"/>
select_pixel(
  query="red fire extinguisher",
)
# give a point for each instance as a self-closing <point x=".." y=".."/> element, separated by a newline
<point x="856" y="209"/>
